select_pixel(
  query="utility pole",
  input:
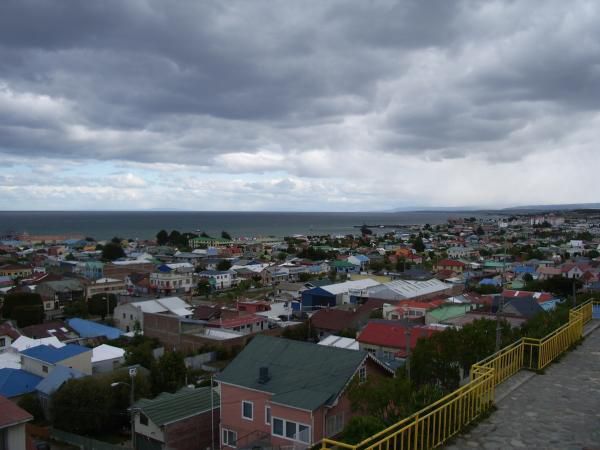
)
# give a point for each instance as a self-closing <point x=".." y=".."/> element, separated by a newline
<point x="499" y="306"/>
<point x="407" y="363"/>
<point x="212" y="415"/>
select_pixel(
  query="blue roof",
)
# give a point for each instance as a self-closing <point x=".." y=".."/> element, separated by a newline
<point x="164" y="268"/>
<point x="15" y="382"/>
<point x="362" y="258"/>
<point x="52" y="355"/>
<point x="57" y="378"/>
<point x="490" y="282"/>
<point x="89" y="329"/>
<point x="524" y="269"/>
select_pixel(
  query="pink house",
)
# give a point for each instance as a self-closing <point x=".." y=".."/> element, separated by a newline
<point x="284" y="393"/>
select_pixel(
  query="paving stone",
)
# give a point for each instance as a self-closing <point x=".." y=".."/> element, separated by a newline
<point x="557" y="410"/>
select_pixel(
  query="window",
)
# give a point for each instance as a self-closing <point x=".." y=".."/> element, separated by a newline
<point x="335" y="424"/>
<point x="268" y="415"/>
<point x="2" y="342"/>
<point x="229" y="438"/>
<point x="143" y="419"/>
<point x="291" y="430"/>
<point x="124" y="316"/>
<point x="362" y="374"/>
<point x="45" y="369"/>
<point x="247" y="410"/>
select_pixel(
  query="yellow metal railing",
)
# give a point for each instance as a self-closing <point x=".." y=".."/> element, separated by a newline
<point x="436" y="423"/>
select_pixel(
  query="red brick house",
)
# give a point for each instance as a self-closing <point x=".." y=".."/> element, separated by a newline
<point x="280" y="392"/>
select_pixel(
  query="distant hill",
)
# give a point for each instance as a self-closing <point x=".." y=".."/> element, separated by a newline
<point x="526" y="208"/>
<point x="564" y="207"/>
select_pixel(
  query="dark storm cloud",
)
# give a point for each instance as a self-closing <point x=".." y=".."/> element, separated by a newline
<point x="152" y="81"/>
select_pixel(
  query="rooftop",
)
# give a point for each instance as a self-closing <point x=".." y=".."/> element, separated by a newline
<point x="168" y="408"/>
<point x="11" y="414"/>
<point x="53" y="355"/>
<point x="15" y="382"/>
<point x="301" y="374"/>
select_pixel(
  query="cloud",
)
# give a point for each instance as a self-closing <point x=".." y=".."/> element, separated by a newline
<point x="314" y="97"/>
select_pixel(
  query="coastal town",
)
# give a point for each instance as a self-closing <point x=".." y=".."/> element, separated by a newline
<point x="195" y="341"/>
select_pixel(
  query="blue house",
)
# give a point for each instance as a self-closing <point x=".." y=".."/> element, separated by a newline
<point x="89" y="329"/>
<point x="317" y="298"/>
<point x="17" y="382"/>
<point x="53" y="382"/>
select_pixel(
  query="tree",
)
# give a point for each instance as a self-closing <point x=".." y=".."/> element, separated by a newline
<point x="82" y="406"/>
<point x="169" y="373"/>
<point x="223" y="265"/>
<point x="480" y="231"/>
<point x="76" y="309"/>
<point x="304" y="277"/>
<point x="97" y="304"/>
<point x="162" y="237"/>
<point x="31" y="404"/>
<point x="226" y="235"/>
<point x="28" y="315"/>
<point x="204" y="287"/>
<point x="140" y="351"/>
<point x="19" y="299"/>
<point x="112" y="251"/>
<point x="418" y="244"/>
<point x="174" y="237"/>
<point x="332" y="275"/>
<point x="390" y="399"/>
<point x="359" y="428"/>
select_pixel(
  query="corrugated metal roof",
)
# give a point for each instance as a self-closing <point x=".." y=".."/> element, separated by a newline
<point x="53" y="355"/>
<point x="168" y="408"/>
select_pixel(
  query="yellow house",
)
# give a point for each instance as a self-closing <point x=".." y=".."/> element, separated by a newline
<point x="42" y="360"/>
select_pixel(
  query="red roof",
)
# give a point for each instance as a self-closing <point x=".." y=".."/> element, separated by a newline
<point x="540" y="297"/>
<point x="11" y="414"/>
<point x="450" y="263"/>
<point x="415" y="304"/>
<point x="237" y="321"/>
<point x="7" y="330"/>
<point x="333" y="319"/>
<point x="390" y="333"/>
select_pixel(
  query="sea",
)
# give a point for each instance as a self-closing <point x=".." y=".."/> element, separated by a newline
<point x="102" y="225"/>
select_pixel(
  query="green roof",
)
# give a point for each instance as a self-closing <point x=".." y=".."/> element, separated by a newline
<point x="301" y="374"/>
<point x="449" y="311"/>
<point x="168" y="408"/>
<point x="341" y="264"/>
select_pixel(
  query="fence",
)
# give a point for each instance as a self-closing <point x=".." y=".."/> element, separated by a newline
<point x="435" y="424"/>
<point x="83" y="442"/>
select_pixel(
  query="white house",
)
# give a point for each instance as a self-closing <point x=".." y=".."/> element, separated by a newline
<point x="220" y="279"/>
<point x="127" y="314"/>
<point x="168" y="280"/>
<point x="106" y="358"/>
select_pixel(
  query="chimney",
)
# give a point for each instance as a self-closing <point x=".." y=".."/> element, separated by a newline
<point x="263" y="375"/>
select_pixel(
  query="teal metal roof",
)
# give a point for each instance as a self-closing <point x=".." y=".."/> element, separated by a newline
<point x="168" y="408"/>
<point x="301" y="374"/>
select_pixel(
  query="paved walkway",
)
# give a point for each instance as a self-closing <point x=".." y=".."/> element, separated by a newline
<point x="558" y="410"/>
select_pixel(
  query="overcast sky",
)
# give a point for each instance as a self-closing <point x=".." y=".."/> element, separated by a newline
<point x="298" y="105"/>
